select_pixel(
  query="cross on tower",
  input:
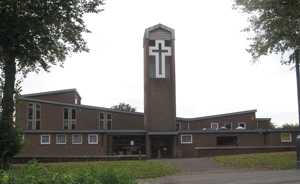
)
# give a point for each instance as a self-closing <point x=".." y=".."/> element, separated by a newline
<point x="160" y="51"/>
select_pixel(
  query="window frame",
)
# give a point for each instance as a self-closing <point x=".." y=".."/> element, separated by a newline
<point x="36" y="107"/>
<point x="89" y="141"/>
<point x="41" y="139"/>
<point x="183" y="142"/>
<point x="72" y="138"/>
<point x="69" y="121"/>
<point x="214" y="123"/>
<point x="56" y="139"/>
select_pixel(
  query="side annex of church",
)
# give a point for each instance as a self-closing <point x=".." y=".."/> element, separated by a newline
<point x="57" y="126"/>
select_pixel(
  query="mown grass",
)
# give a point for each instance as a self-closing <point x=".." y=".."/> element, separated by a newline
<point x="274" y="161"/>
<point x="136" y="169"/>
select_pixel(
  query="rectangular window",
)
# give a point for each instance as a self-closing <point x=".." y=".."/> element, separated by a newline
<point x="186" y="139"/>
<point x="101" y="122"/>
<point x="76" y="139"/>
<point x="178" y="125"/>
<point x="227" y="141"/>
<point x="45" y="139"/>
<point x="109" y="121"/>
<point x="93" y="139"/>
<point x="105" y="121"/>
<point x="61" y="139"/>
<point x="69" y="121"/>
<point x="184" y="125"/>
<point x="34" y="116"/>
<point x="286" y="137"/>
<point x="228" y="126"/>
<point x="214" y="126"/>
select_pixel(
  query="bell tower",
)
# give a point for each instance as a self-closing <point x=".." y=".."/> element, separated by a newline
<point x="159" y="79"/>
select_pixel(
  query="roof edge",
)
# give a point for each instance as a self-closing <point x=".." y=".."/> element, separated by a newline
<point x="159" y="26"/>
<point x="51" y="92"/>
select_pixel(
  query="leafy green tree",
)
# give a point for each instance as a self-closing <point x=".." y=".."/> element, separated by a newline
<point x="290" y="126"/>
<point x="124" y="107"/>
<point x="276" y="27"/>
<point x="34" y="35"/>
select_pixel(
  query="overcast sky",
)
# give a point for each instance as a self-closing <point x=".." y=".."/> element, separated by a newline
<point x="213" y="71"/>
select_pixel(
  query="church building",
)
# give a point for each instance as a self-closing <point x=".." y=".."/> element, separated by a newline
<point x="57" y="126"/>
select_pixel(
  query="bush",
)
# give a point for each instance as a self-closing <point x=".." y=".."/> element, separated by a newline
<point x="34" y="173"/>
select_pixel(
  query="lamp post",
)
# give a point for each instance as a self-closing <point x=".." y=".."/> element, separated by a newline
<point x="297" y="52"/>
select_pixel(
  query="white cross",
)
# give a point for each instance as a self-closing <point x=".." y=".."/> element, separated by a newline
<point x="160" y="51"/>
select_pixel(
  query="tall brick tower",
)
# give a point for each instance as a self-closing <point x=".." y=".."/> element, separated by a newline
<point x="159" y="87"/>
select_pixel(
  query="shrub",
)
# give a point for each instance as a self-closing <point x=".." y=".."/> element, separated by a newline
<point x="34" y="173"/>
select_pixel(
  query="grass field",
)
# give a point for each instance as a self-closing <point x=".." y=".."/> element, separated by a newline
<point x="137" y="169"/>
<point x="275" y="161"/>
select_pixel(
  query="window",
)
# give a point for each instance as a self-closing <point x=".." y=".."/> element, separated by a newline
<point x="241" y="125"/>
<point x="184" y="125"/>
<point x="93" y="139"/>
<point x="76" y="139"/>
<point x="228" y="126"/>
<point x="286" y="137"/>
<point x="177" y="125"/>
<point x="186" y="139"/>
<point x="100" y="124"/>
<point x="69" y="121"/>
<point x="109" y="121"/>
<point x="34" y="116"/>
<point x="61" y="139"/>
<point x="105" y="121"/>
<point x="214" y="126"/>
<point x="45" y="139"/>
<point x="227" y="141"/>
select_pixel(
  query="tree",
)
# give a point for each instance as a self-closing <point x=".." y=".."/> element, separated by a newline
<point x="276" y="27"/>
<point x="34" y="35"/>
<point x="124" y="107"/>
<point x="289" y="126"/>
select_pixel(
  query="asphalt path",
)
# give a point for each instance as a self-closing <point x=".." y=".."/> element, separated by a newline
<point x="206" y="171"/>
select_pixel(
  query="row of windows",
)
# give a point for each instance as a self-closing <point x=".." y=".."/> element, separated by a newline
<point x="104" y="120"/>
<point x="185" y="125"/>
<point x="75" y="139"/>
<point x="231" y="140"/>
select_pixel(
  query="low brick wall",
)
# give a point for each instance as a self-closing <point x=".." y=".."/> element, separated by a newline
<point x="24" y="159"/>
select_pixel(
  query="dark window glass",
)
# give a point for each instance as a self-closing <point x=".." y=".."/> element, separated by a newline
<point x="66" y="113"/>
<point x="30" y="112"/>
<point x="101" y="115"/>
<point x="73" y="125"/>
<point x="109" y="117"/>
<point x="38" y="114"/>
<point x="227" y="141"/>
<point x="37" y="125"/>
<point x="228" y="126"/>
<point x="73" y="113"/>
<point x="152" y="42"/>
<point x="109" y="125"/>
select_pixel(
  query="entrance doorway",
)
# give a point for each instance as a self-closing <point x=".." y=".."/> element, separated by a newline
<point x="162" y="146"/>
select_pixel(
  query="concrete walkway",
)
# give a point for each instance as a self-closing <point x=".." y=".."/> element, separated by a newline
<point x="206" y="171"/>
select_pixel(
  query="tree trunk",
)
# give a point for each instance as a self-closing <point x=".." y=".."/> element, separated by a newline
<point x="7" y="109"/>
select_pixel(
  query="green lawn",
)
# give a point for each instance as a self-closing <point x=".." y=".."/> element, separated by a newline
<point x="276" y="161"/>
<point x="137" y="169"/>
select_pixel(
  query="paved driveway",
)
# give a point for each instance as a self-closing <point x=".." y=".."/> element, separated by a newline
<point x="238" y="177"/>
<point x="206" y="171"/>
